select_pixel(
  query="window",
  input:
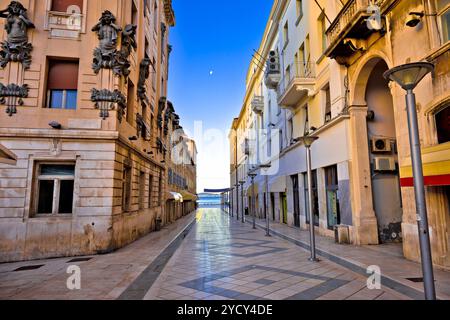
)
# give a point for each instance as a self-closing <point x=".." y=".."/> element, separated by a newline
<point x="62" y="84"/>
<point x="155" y="16"/>
<point x="67" y="5"/>
<point x="134" y="13"/>
<point x="323" y="30"/>
<point x="299" y="8"/>
<point x="332" y="188"/>
<point x="126" y="188"/>
<point x="306" y="117"/>
<point x="443" y="125"/>
<point x="443" y="7"/>
<point x="142" y="178"/>
<point x="290" y="131"/>
<point x="315" y="197"/>
<point x="55" y="188"/>
<point x="130" y="103"/>
<point x="327" y="96"/>
<point x="286" y="34"/>
<point x="160" y="188"/>
<point x="150" y="191"/>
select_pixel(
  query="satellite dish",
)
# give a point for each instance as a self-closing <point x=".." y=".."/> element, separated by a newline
<point x="374" y="21"/>
<point x="73" y="9"/>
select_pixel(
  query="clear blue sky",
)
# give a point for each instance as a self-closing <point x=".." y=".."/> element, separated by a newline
<point x="217" y="36"/>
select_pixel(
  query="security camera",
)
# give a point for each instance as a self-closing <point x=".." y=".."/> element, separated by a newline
<point x="414" y="19"/>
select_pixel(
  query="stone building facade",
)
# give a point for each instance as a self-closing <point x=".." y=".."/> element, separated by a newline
<point x="82" y="84"/>
<point x="331" y="59"/>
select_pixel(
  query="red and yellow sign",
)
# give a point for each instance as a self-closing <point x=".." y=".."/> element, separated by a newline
<point x="436" y="167"/>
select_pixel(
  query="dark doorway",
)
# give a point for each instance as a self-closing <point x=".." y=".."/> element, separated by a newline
<point x="296" y="190"/>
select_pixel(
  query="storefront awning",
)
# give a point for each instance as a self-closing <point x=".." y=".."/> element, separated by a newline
<point x="187" y="196"/>
<point x="278" y="184"/>
<point x="6" y="156"/>
<point x="175" y="196"/>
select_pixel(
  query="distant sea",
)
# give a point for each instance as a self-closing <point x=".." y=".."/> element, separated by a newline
<point x="209" y="200"/>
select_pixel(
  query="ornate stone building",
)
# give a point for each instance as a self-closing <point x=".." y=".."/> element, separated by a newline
<point x="83" y="87"/>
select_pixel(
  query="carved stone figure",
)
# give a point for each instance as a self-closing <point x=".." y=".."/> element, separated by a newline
<point x="128" y="44"/>
<point x="108" y="33"/>
<point x="12" y="96"/>
<point x="144" y="74"/>
<point x="16" y="47"/>
<point x="106" y="100"/>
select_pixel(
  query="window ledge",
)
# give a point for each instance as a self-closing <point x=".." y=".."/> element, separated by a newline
<point x="438" y="52"/>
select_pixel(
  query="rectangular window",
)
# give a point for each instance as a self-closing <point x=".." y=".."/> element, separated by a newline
<point x="160" y="189"/>
<point x="323" y="30"/>
<point x="299" y="8"/>
<point x="130" y="103"/>
<point x="443" y="125"/>
<point x="290" y="131"/>
<point x="150" y="191"/>
<point x="142" y="178"/>
<point x="62" y="84"/>
<point x="315" y="196"/>
<point x="332" y="188"/>
<point x="126" y="188"/>
<point x="55" y="188"/>
<point x="443" y="8"/>
<point x="327" y="96"/>
<point x="286" y="33"/>
<point x="306" y="117"/>
<point x="67" y="6"/>
<point x="134" y="13"/>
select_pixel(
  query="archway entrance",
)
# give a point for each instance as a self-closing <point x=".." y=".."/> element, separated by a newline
<point x="383" y="154"/>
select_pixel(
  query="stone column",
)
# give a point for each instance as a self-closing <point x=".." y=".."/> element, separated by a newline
<point x="365" y="229"/>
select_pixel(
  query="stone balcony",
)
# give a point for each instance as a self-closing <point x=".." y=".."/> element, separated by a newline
<point x="350" y="28"/>
<point x="298" y="83"/>
<point x="65" y="25"/>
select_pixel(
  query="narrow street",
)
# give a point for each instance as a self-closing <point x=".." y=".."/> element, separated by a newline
<point x="218" y="258"/>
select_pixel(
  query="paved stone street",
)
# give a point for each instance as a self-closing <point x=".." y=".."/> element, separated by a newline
<point x="225" y="259"/>
<point x="218" y="259"/>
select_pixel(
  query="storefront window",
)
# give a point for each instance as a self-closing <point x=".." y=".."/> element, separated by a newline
<point x="443" y="8"/>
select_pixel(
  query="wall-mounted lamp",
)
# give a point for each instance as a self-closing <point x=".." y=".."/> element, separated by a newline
<point x="55" y="125"/>
<point x="415" y="18"/>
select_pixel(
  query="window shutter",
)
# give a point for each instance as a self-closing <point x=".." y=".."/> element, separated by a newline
<point x="62" y="75"/>
<point x="62" y="5"/>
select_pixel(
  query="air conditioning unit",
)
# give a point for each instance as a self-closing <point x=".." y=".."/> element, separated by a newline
<point x="383" y="164"/>
<point x="381" y="145"/>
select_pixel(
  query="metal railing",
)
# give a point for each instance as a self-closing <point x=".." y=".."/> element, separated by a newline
<point x="296" y="71"/>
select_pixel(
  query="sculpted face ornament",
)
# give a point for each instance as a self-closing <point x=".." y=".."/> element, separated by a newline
<point x="16" y="47"/>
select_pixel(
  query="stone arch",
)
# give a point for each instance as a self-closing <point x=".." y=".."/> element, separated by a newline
<point x="363" y="72"/>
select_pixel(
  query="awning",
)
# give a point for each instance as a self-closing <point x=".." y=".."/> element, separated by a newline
<point x="278" y="184"/>
<point x="175" y="196"/>
<point x="6" y="156"/>
<point x="436" y="167"/>
<point x="187" y="196"/>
